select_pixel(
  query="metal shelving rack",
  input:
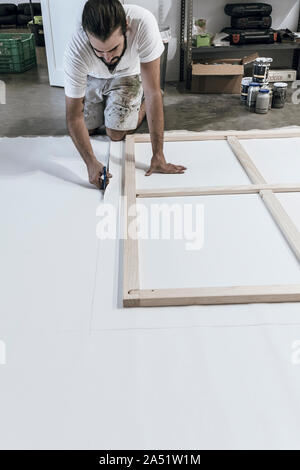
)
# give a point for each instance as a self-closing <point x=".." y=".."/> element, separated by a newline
<point x="186" y="49"/>
<point x="188" y="52"/>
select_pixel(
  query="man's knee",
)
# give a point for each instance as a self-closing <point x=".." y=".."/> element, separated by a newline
<point x="115" y="136"/>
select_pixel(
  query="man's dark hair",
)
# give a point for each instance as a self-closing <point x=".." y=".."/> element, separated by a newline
<point x="101" y="18"/>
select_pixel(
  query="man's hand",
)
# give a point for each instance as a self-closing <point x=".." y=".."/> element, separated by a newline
<point x="95" y="171"/>
<point x="159" y="165"/>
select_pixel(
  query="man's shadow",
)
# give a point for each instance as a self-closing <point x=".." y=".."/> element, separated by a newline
<point x="31" y="155"/>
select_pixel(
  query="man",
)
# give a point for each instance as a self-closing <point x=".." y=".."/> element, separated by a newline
<point x="112" y="60"/>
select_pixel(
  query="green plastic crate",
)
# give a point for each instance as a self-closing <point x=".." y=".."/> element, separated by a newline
<point x="17" y="52"/>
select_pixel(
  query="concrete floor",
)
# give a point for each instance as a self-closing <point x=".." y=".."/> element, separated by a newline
<point x="35" y="108"/>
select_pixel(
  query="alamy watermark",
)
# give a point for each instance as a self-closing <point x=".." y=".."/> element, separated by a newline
<point x="2" y="92"/>
<point x="2" y="353"/>
<point x="154" y="222"/>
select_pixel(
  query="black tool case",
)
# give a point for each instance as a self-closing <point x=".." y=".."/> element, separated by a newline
<point x="244" y="10"/>
<point x="251" y="22"/>
<point x="239" y="36"/>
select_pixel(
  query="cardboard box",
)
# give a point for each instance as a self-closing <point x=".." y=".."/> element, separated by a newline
<point x="219" y="75"/>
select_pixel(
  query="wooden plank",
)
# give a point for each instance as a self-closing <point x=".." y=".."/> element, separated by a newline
<point x="217" y="190"/>
<point x="214" y="296"/>
<point x="220" y="135"/>
<point x="283" y="220"/>
<point x="131" y="256"/>
<point x="246" y="162"/>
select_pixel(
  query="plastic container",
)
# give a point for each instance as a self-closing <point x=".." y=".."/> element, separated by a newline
<point x="203" y="40"/>
<point x="262" y="101"/>
<point x="17" y="52"/>
<point x="251" y="22"/>
<point x="267" y="87"/>
<point x="279" y="95"/>
<point x="37" y="20"/>
<point x="242" y="10"/>
<point x="252" y="95"/>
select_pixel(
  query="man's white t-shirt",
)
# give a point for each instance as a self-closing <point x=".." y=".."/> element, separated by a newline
<point x="144" y="44"/>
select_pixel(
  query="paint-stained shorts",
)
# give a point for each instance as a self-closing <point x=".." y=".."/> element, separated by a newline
<point x="114" y="102"/>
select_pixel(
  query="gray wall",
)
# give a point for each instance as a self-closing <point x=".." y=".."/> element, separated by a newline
<point x="285" y="15"/>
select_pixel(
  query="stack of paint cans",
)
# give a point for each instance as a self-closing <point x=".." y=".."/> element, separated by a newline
<point x="256" y="93"/>
<point x="261" y="98"/>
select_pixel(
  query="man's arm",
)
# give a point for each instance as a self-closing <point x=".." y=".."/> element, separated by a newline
<point x="150" y="72"/>
<point x="80" y="136"/>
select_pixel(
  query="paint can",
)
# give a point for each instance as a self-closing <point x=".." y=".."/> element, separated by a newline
<point x="262" y="101"/>
<point x="279" y="95"/>
<point x="261" y="69"/>
<point x="252" y="95"/>
<point x="244" y="89"/>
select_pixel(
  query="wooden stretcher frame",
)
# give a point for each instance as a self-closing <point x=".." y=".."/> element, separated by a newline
<point x="133" y="296"/>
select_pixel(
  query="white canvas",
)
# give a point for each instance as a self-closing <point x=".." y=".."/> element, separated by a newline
<point x="81" y="372"/>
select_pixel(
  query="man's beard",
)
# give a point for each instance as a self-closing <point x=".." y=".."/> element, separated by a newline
<point x="116" y="60"/>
